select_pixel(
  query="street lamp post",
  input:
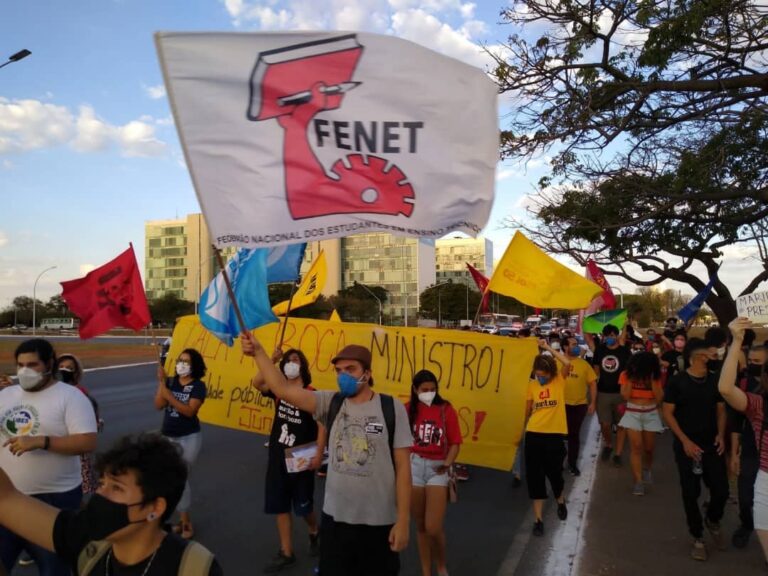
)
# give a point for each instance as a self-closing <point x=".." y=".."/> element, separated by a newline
<point x="621" y="293"/>
<point x="439" y="308"/>
<point x="20" y="55"/>
<point x="34" y="300"/>
<point x="364" y="287"/>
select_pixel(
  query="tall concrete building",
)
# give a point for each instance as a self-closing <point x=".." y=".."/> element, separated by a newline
<point x="178" y="257"/>
<point x="453" y="254"/>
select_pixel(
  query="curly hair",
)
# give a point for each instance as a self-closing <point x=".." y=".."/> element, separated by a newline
<point x="196" y="363"/>
<point x="644" y="367"/>
<point x="306" y="376"/>
<point x="545" y="363"/>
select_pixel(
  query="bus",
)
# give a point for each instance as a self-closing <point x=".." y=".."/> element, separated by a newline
<point x="59" y="324"/>
<point x="491" y="322"/>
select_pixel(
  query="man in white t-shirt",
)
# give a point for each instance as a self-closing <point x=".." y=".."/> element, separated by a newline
<point x="44" y="427"/>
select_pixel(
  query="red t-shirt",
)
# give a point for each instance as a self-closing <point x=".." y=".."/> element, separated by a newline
<point x="429" y="433"/>
<point x="754" y="413"/>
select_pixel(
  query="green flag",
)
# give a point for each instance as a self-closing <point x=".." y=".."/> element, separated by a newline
<point x="595" y="323"/>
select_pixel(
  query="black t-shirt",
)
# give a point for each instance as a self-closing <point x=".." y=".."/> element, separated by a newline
<point x="291" y="427"/>
<point x="676" y="362"/>
<point x="69" y="539"/>
<point x="695" y="401"/>
<point x="175" y="424"/>
<point x="612" y="362"/>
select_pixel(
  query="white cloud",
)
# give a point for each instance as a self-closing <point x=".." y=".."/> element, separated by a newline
<point x="3" y="239"/>
<point x="27" y="125"/>
<point x="155" y="92"/>
<point x="506" y="173"/>
<point x="85" y="268"/>
<point x="7" y="165"/>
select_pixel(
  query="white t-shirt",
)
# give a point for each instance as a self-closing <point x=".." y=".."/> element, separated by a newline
<point x="59" y="410"/>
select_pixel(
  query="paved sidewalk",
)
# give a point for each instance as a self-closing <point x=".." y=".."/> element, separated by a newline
<point x="627" y="535"/>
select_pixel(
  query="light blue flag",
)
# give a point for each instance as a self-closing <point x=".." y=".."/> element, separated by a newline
<point x="283" y="262"/>
<point x="692" y="308"/>
<point x="247" y="271"/>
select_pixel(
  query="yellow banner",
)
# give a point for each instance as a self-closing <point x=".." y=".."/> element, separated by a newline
<point x="482" y="375"/>
<point x="529" y="275"/>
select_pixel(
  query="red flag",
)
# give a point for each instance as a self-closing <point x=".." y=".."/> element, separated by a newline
<point x="109" y="296"/>
<point x="606" y="300"/>
<point x="482" y="284"/>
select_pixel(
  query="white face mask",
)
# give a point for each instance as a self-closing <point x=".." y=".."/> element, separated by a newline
<point x="291" y="370"/>
<point x="555" y="345"/>
<point x="656" y="349"/>
<point x="721" y="353"/>
<point x="183" y="368"/>
<point x="427" y="397"/>
<point x="29" y="378"/>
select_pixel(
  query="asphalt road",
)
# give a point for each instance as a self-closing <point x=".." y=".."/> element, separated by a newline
<point x="228" y="491"/>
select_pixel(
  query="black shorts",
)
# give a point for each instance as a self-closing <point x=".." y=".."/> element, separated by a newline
<point x="356" y="550"/>
<point x="283" y="490"/>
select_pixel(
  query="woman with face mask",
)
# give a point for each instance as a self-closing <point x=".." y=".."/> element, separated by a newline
<point x="181" y="397"/>
<point x="545" y="432"/>
<point x="284" y="491"/>
<point x="71" y="372"/>
<point x="436" y="442"/>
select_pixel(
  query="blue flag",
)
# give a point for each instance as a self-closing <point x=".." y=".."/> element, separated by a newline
<point x="283" y="262"/>
<point x="691" y="309"/>
<point x="247" y="271"/>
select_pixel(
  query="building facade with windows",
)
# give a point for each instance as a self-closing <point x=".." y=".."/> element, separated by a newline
<point x="453" y="254"/>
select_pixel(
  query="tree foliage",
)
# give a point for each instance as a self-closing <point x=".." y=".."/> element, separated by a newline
<point x="657" y="109"/>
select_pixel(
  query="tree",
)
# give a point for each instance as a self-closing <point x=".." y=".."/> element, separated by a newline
<point x="448" y="302"/>
<point x="56" y="307"/>
<point x="679" y="87"/>
<point x="169" y="307"/>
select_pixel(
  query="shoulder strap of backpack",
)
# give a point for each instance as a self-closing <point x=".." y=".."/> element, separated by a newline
<point x="196" y="560"/>
<point x="333" y="411"/>
<point x="90" y="556"/>
<point x="388" y="408"/>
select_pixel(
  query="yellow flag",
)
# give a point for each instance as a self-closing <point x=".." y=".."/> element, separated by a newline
<point x="530" y="276"/>
<point x="335" y="316"/>
<point x="310" y="288"/>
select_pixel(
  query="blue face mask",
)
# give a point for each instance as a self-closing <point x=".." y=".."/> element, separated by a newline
<point x="347" y="384"/>
<point x="542" y="379"/>
<point x="575" y="350"/>
<point x="610" y="341"/>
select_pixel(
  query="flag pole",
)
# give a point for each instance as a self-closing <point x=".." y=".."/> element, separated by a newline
<point x="227" y="283"/>
<point x="479" y="307"/>
<point x="288" y="312"/>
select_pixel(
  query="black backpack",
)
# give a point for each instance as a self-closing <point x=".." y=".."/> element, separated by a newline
<point x="387" y="407"/>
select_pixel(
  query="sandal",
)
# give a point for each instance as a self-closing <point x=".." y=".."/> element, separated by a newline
<point x="186" y="531"/>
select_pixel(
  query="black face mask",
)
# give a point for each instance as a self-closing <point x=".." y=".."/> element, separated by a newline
<point x="67" y="376"/>
<point x="102" y="517"/>
<point x="755" y="370"/>
<point x="714" y="365"/>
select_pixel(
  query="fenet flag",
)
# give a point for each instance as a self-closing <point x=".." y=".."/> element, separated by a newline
<point x="300" y="136"/>
<point x="112" y="295"/>
<point x="529" y="275"/>
<point x="247" y="272"/>
<point x="309" y="290"/>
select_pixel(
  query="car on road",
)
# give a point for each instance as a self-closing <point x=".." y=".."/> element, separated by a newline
<point x="546" y="329"/>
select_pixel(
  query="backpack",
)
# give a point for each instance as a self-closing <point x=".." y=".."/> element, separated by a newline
<point x="387" y="407"/>
<point x="196" y="560"/>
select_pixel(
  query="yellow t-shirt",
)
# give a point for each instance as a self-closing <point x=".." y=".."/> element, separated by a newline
<point x="577" y="383"/>
<point x="548" y="411"/>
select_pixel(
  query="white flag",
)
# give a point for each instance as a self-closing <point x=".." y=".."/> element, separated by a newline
<point x="300" y="136"/>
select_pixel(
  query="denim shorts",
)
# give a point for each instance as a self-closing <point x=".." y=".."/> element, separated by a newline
<point x="423" y="472"/>
<point x="641" y="418"/>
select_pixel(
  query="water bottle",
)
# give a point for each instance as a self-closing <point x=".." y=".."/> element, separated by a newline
<point x="697" y="469"/>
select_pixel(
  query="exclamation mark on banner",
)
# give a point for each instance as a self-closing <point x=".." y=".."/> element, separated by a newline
<point x="479" y="419"/>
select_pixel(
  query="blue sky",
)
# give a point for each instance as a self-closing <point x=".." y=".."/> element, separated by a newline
<point x="88" y="149"/>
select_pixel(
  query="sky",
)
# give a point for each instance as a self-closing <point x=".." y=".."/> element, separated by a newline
<point x="88" y="148"/>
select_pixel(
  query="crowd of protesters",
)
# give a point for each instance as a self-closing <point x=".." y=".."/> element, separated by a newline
<point x="388" y="465"/>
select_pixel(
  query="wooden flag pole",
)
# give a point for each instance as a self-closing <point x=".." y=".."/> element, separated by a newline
<point x="479" y="307"/>
<point x="231" y="294"/>
<point x="288" y="312"/>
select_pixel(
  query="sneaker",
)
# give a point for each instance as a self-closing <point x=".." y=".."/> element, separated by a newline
<point x="606" y="453"/>
<point x="714" y="531"/>
<point x="516" y="481"/>
<point x="575" y="471"/>
<point x="638" y="489"/>
<point x="616" y="460"/>
<point x="740" y="537"/>
<point x="699" y="550"/>
<point x="562" y="511"/>
<point x="647" y="477"/>
<point x="538" y="528"/>
<point x="25" y="559"/>
<point x="314" y="544"/>
<point x="279" y="562"/>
